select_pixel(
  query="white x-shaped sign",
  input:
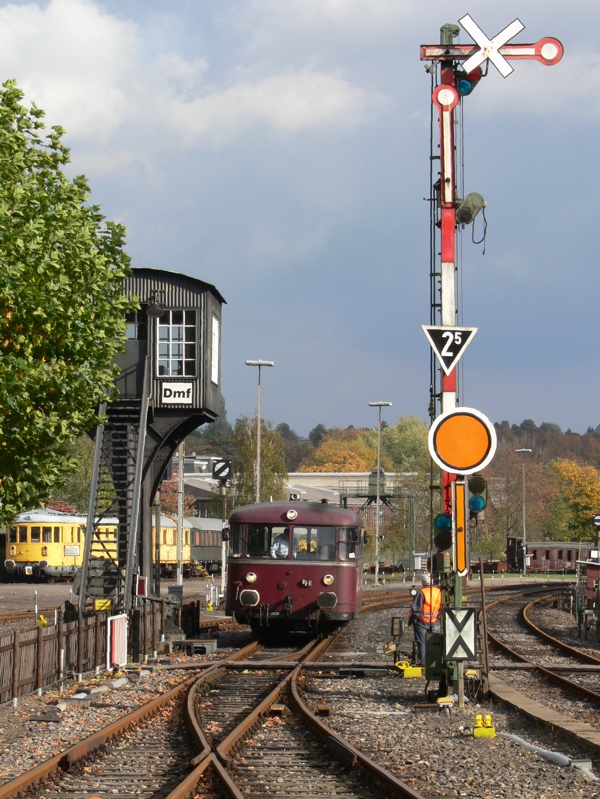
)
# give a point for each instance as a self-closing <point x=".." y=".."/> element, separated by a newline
<point x="489" y="47"/>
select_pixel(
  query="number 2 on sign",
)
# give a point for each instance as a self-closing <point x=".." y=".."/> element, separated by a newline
<point x="452" y="337"/>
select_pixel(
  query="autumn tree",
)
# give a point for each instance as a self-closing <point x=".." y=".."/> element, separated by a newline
<point x="509" y="475"/>
<point x="579" y="488"/>
<point x="62" y="309"/>
<point x="341" y="451"/>
<point x="273" y="474"/>
<point x="169" y="499"/>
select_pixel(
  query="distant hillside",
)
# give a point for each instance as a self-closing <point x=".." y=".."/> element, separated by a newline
<point x="549" y="442"/>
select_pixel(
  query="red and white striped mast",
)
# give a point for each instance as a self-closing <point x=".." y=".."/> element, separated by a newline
<point x="460" y="70"/>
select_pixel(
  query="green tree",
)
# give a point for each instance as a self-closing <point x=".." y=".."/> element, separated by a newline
<point x="74" y="487"/>
<point x="295" y="447"/>
<point x="406" y="444"/>
<point x="62" y="311"/>
<point x="215" y="438"/>
<point x="273" y="473"/>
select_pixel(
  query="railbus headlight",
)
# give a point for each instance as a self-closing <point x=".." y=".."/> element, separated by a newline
<point x="251" y="577"/>
<point x="328" y="579"/>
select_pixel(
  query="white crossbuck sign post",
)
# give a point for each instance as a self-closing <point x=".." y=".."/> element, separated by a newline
<point x="460" y="633"/>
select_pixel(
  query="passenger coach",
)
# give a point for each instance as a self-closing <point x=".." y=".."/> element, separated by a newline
<point x="294" y="566"/>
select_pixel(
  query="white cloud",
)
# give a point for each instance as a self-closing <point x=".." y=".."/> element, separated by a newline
<point x="88" y="70"/>
<point x="287" y="103"/>
<point x="72" y="59"/>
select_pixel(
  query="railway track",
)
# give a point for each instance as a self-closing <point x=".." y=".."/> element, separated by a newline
<point x="247" y="728"/>
<point x="261" y="727"/>
<point x="550" y="681"/>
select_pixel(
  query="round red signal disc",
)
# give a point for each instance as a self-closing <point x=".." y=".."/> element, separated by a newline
<point x="462" y="441"/>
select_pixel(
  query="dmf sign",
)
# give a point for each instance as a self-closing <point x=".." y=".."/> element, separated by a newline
<point x="176" y="393"/>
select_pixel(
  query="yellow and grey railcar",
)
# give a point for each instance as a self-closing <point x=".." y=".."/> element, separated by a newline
<point x="46" y="544"/>
<point x="168" y="546"/>
<point x="49" y="544"/>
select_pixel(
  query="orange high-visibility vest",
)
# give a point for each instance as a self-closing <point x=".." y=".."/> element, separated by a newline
<point x="431" y="605"/>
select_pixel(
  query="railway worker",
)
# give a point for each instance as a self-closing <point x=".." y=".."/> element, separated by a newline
<point x="424" y="612"/>
<point x="280" y="548"/>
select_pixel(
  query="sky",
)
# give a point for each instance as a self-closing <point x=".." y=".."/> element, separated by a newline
<point x="280" y="150"/>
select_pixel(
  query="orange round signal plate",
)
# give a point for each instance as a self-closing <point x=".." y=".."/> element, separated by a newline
<point x="462" y="441"/>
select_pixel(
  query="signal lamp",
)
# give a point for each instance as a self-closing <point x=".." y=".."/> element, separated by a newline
<point x="443" y="524"/>
<point x="466" y="82"/>
<point x="477" y="497"/>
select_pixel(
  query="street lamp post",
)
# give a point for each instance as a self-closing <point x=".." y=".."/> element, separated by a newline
<point x="259" y="364"/>
<point x="524" y="542"/>
<point x="379" y="405"/>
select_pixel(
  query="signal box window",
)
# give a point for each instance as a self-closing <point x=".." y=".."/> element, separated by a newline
<point x="136" y="326"/>
<point x="177" y="339"/>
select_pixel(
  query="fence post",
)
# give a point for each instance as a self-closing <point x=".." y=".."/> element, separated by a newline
<point x="144" y="613"/>
<point x="80" y="646"/>
<point x="97" y="642"/>
<point x="39" y="665"/>
<point x="155" y="610"/>
<point x="15" y="670"/>
<point x="60" y="650"/>
<point x="135" y="635"/>
<point x="163" y="619"/>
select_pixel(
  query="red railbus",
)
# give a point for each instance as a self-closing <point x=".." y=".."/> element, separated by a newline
<point x="294" y="566"/>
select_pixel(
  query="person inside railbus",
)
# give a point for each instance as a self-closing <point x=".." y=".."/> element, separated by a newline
<point x="280" y="548"/>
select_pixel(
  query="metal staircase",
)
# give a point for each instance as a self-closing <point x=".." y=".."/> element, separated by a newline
<point x="110" y="562"/>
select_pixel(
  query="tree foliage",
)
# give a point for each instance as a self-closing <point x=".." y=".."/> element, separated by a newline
<point x="340" y="451"/>
<point x="580" y="491"/>
<point x="74" y="487"/>
<point x="406" y="444"/>
<point x="62" y="312"/>
<point x="273" y="473"/>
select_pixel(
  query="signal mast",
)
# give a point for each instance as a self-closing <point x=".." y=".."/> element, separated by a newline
<point x="462" y="441"/>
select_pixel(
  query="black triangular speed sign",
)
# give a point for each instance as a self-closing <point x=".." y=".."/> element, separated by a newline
<point x="449" y="343"/>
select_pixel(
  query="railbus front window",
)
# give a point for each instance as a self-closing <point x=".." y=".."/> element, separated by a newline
<point x="236" y="540"/>
<point x="258" y="540"/>
<point x="314" y="543"/>
<point x="12" y="535"/>
<point x="280" y="542"/>
<point x="350" y="543"/>
<point x="22" y="535"/>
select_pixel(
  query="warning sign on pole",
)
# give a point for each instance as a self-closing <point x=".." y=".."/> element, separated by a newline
<point x="460" y="633"/>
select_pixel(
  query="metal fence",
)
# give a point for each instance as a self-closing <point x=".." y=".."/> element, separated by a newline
<point x="31" y="660"/>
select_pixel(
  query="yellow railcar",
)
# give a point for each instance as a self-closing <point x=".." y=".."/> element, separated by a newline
<point x="47" y="544"/>
<point x="168" y="546"/>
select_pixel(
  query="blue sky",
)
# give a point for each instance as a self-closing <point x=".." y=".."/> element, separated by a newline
<point x="279" y="149"/>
